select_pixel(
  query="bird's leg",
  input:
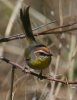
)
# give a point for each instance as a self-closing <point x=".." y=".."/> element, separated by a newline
<point x="40" y="75"/>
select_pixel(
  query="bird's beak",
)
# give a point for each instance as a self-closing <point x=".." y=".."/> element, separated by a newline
<point x="49" y="54"/>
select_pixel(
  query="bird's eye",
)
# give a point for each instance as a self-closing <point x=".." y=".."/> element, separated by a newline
<point x="41" y="53"/>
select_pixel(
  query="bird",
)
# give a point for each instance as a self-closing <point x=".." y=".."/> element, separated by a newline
<point x="37" y="55"/>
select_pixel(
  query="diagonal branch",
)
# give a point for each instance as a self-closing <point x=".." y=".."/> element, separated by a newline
<point x="56" y="30"/>
<point x="35" y="74"/>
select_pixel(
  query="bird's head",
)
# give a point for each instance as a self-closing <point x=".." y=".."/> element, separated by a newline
<point x="42" y="52"/>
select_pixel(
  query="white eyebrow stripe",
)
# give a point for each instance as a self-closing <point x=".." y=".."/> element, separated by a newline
<point x="40" y="51"/>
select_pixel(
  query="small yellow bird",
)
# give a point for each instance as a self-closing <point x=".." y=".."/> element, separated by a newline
<point x="37" y="55"/>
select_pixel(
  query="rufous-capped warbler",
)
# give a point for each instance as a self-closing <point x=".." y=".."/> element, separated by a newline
<point x="37" y="55"/>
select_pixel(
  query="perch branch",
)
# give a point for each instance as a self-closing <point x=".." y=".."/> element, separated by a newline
<point x="35" y="74"/>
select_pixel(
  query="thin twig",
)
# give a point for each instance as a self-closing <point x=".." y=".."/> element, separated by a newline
<point x="49" y="31"/>
<point x="56" y="32"/>
<point x="62" y="26"/>
<point x="21" y="35"/>
<point x="12" y="82"/>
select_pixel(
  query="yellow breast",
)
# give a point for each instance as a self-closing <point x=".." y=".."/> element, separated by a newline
<point x="40" y="63"/>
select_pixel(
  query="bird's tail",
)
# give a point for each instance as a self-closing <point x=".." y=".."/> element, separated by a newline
<point x="24" y="16"/>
